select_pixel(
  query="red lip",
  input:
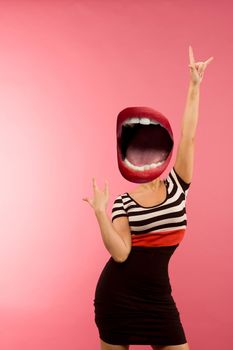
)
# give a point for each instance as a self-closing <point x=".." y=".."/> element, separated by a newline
<point x="141" y="112"/>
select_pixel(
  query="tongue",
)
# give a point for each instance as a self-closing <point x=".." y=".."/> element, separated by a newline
<point x="139" y="156"/>
<point x="146" y="148"/>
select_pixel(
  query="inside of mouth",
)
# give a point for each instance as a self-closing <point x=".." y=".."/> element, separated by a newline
<point x="145" y="144"/>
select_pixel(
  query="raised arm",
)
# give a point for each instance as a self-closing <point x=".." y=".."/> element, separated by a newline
<point x="185" y="152"/>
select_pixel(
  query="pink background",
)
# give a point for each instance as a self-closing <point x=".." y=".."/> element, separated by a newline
<point x="66" y="69"/>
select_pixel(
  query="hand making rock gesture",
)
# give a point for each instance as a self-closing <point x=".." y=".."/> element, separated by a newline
<point x="99" y="201"/>
<point x="197" y="68"/>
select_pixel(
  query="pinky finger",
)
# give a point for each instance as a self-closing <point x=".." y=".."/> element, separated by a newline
<point x="209" y="60"/>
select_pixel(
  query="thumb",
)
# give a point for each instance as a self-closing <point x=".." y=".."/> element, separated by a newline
<point x="86" y="200"/>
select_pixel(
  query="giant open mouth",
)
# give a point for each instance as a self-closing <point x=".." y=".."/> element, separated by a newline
<point x="144" y="143"/>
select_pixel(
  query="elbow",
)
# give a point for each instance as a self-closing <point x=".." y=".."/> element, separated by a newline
<point x="121" y="258"/>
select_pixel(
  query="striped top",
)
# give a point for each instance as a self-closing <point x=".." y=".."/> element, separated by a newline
<point x="159" y="225"/>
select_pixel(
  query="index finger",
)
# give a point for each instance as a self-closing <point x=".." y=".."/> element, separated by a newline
<point x="94" y="183"/>
<point x="191" y="56"/>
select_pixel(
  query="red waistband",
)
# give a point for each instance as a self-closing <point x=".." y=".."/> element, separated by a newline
<point x="159" y="238"/>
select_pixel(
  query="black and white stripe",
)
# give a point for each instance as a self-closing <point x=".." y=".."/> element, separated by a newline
<point x="167" y="216"/>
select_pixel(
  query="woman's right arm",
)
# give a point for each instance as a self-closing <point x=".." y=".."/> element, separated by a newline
<point x="116" y="236"/>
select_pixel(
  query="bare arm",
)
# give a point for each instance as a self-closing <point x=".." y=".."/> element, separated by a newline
<point x="185" y="153"/>
<point x="116" y="236"/>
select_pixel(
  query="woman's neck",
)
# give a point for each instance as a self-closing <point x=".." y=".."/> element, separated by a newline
<point x="153" y="185"/>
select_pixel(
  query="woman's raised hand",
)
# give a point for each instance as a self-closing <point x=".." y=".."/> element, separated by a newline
<point x="100" y="198"/>
<point x="197" y="68"/>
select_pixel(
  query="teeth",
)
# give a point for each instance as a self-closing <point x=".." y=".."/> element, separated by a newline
<point x="143" y="121"/>
<point x="144" y="167"/>
<point x="132" y="121"/>
<point x="154" y="122"/>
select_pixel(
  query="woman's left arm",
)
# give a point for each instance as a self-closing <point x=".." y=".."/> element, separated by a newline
<point x="185" y="152"/>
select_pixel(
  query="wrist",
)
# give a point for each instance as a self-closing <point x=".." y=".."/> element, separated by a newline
<point x="100" y="211"/>
<point x="193" y="85"/>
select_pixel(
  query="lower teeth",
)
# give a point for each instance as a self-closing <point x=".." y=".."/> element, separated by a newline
<point x="143" y="167"/>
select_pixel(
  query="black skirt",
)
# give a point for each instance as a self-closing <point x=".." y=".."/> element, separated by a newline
<point x="133" y="300"/>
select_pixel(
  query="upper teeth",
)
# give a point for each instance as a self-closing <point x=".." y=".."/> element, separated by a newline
<point x="144" y="121"/>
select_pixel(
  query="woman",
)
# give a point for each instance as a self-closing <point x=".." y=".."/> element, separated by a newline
<point x="133" y="300"/>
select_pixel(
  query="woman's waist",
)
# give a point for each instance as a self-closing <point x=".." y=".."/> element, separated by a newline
<point x="157" y="238"/>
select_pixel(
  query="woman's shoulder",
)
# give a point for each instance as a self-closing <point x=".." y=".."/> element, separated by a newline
<point x="174" y="177"/>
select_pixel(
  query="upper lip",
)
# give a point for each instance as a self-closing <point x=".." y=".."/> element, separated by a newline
<point x="158" y="118"/>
